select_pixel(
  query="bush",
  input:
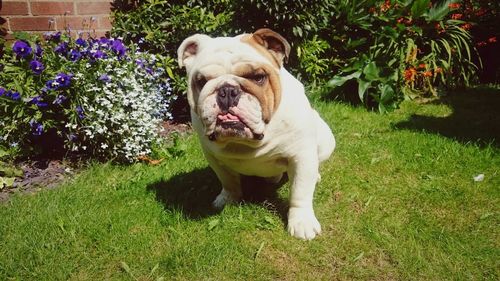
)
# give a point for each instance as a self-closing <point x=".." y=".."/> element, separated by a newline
<point x="404" y="49"/>
<point x="380" y="51"/>
<point x="96" y="96"/>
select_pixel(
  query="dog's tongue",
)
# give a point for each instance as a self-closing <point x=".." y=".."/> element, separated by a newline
<point x="228" y="117"/>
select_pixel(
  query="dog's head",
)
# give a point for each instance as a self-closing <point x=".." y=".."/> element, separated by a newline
<point x="233" y="82"/>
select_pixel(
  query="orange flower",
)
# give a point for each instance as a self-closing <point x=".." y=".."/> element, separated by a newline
<point x="456" y="16"/>
<point x="386" y="6"/>
<point x="438" y="70"/>
<point x="492" y="39"/>
<point x="409" y="74"/>
<point x="427" y="73"/>
<point x="454" y="5"/>
<point x="466" y="26"/>
<point x="421" y="66"/>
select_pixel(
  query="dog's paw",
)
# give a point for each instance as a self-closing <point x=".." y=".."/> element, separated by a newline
<point x="223" y="199"/>
<point x="303" y="224"/>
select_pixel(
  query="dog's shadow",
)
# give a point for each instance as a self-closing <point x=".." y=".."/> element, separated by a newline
<point x="192" y="193"/>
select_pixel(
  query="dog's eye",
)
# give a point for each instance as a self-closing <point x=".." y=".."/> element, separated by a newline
<point x="259" y="79"/>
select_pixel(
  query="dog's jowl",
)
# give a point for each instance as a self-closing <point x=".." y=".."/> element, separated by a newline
<point x="253" y="118"/>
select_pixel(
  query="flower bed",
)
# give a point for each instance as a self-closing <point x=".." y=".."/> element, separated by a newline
<point x="92" y="96"/>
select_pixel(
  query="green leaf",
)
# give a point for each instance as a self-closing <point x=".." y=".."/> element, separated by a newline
<point x="419" y="7"/>
<point x="6" y="182"/>
<point x="438" y="11"/>
<point x="9" y="170"/>
<point x="3" y="152"/>
<point x="371" y="71"/>
<point x="338" y="81"/>
<point x="387" y="94"/>
<point x="363" y="85"/>
<point x="170" y="73"/>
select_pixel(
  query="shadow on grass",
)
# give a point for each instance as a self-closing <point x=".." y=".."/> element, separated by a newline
<point x="192" y="193"/>
<point x="475" y="118"/>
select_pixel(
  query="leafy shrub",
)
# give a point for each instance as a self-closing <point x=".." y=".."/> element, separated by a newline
<point x="380" y="50"/>
<point x="94" y="96"/>
<point x="404" y="49"/>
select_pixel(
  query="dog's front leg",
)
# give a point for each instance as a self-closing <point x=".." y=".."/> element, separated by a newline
<point x="231" y="184"/>
<point x="303" y="172"/>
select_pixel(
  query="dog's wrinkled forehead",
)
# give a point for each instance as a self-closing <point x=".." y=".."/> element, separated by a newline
<point x="226" y="52"/>
<point x="263" y="45"/>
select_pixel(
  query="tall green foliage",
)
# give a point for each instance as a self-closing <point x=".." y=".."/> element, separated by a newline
<point x="379" y="51"/>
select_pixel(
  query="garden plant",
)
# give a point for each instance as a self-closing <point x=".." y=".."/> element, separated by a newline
<point x="96" y="96"/>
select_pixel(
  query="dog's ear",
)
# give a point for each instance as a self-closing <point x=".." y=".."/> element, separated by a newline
<point x="189" y="48"/>
<point x="274" y="43"/>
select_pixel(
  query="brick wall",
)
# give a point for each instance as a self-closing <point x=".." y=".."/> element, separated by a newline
<point x="51" y="15"/>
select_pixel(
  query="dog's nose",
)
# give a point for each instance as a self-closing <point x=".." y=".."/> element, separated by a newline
<point x="228" y="96"/>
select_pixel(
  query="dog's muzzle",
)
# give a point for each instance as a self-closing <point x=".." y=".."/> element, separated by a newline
<point x="227" y="97"/>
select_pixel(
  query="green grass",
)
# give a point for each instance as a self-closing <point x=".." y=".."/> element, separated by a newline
<point x="397" y="202"/>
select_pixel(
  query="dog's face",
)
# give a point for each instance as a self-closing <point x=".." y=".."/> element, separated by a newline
<point x="233" y="82"/>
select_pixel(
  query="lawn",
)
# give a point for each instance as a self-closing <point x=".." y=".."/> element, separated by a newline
<point x="397" y="201"/>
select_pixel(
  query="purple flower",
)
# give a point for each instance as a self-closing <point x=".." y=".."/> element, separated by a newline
<point x="60" y="99"/>
<point x="72" y="137"/>
<point x="21" y="48"/>
<point x="38" y="101"/>
<point x="118" y="48"/>
<point x="56" y="37"/>
<point x="52" y="85"/>
<point x="15" y="96"/>
<point x="38" y="51"/>
<point x="2" y="91"/>
<point x="105" y="78"/>
<point x="103" y="42"/>
<point x="74" y="55"/>
<point x="36" y="128"/>
<point x="37" y="67"/>
<point x="64" y="79"/>
<point x="62" y="48"/>
<point x="79" y="111"/>
<point x="98" y="54"/>
<point x="81" y="42"/>
<point x="140" y="62"/>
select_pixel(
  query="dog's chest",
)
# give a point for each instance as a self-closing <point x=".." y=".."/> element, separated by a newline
<point x="260" y="166"/>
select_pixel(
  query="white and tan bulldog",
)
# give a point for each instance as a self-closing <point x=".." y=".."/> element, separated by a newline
<point x="253" y="118"/>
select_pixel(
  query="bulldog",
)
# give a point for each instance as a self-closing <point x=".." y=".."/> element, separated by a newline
<point x="253" y="118"/>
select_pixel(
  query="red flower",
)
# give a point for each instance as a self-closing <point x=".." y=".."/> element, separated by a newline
<point x="421" y="66"/>
<point x="492" y="39"/>
<point x="400" y="20"/>
<point x="456" y="16"/>
<point x="481" y="44"/>
<point x="454" y="5"/>
<point x="481" y="12"/>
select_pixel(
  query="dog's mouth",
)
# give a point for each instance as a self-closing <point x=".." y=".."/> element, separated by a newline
<point x="229" y="125"/>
